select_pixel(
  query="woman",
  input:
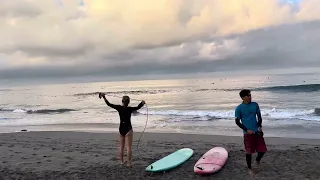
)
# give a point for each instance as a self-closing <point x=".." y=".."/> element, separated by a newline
<point x="125" y="128"/>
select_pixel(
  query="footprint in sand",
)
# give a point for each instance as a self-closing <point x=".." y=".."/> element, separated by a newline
<point x="69" y="158"/>
<point x="114" y="159"/>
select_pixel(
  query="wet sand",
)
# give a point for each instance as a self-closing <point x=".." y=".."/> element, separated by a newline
<point x="80" y="155"/>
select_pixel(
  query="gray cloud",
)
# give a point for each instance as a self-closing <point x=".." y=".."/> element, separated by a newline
<point x="25" y="9"/>
<point x="56" y="52"/>
<point x="82" y="47"/>
<point x="284" y="46"/>
<point x="295" y="44"/>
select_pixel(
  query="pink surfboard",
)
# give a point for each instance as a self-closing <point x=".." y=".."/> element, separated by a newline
<point x="212" y="161"/>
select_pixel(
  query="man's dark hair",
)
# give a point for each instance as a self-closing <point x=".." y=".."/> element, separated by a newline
<point x="244" y="92"/>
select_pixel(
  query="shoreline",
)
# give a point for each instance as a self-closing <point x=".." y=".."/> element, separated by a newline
<point x="177" y="136"/>
<point x="113" y="128"/>
<point x="84" y="155"/>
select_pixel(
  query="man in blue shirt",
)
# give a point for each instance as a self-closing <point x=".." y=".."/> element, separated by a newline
<point x="247" y="112"/>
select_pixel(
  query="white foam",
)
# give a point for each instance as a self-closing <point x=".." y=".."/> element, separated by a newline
<point x="19" y="111"/>
<point x="228" y="114"/>
<point x="287" y="113"/>
<point x="221" y="114"/>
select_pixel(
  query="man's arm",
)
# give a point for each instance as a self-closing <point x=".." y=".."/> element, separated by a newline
<point x="240" y="124"/>
<point x="259" y="116"/>
<point x="237" y="119"/>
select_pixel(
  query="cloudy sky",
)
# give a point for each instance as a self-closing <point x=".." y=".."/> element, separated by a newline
<point x="40" y="38"/>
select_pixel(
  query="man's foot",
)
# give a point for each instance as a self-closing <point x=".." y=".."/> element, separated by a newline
<point x="251" y="173"/>
<point x="258" y="165"/>
<point x="123" y="162"/>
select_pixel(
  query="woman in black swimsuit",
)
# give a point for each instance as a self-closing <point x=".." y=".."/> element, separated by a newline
<point x="125" y="128"/>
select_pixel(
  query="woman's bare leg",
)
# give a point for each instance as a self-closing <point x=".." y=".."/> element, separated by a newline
<point x="128" y="140"/>
<point x="122" y="142"/>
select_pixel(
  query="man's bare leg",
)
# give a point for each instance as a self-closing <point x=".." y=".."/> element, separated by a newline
<point x="258" y="159"/>
<point x="248" y="159"/>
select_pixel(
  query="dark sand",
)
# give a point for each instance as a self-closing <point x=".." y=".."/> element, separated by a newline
<point x="78" y="155"/>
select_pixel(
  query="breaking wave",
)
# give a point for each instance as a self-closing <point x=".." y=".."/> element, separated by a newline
<point x="136" y="92"/>
<point x="227" y="114"/>
<point x="39" y="111"/>
<point x="291" y="88"/>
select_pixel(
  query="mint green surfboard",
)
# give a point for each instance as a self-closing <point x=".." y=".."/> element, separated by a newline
<point x="171" y="161"/>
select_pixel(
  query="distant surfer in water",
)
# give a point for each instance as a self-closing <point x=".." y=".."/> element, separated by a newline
<point x="125" y="128"/>
<point x="247" y="112"/>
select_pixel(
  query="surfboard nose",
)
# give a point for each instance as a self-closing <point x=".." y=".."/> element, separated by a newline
<point x="150" y="167"/>
<point x="171" y="161"/>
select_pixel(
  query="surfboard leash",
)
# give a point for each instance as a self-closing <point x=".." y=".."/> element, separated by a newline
<point x="147" y="114"/>
<point x="143" y="130"/>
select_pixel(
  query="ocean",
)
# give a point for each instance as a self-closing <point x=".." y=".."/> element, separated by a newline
<point x="201" y="105"/>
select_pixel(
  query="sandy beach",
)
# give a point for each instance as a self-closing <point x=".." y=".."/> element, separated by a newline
<point x="80" y="155"/>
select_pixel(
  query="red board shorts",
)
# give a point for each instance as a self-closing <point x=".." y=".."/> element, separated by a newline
<point x="254" y="143"/>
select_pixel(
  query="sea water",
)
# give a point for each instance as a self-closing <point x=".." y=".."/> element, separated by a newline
<point x="202" y="105"/>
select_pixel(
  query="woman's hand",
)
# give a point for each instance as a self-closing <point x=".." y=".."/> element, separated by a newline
<point x="101" y="95"/>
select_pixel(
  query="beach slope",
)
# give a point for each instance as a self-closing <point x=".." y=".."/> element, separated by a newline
<point x="80" y="155"/>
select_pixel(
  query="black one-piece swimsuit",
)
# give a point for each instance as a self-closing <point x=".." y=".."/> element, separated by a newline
<point x="125" y="116"/>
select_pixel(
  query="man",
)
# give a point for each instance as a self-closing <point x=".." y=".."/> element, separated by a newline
<point x="247" y="112"/>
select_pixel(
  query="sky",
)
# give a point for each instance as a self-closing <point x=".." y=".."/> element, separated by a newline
<point x="66" y="38"/>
